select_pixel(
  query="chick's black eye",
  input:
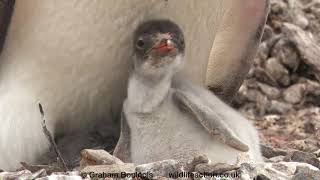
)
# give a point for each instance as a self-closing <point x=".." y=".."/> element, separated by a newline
<point x="140" y="43"/>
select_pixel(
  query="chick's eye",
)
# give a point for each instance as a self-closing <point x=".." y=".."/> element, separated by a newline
<point x="140" y="43"/>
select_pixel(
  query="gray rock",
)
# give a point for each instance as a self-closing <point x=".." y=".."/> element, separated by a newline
<point x="215" y="168"/>
<point x="267" y="34"/>
<point x="24" y="174"/>
<point x="287" y="53"/>
<point x="160" y="168"/>
<point x="278" y="107"/>
<point x="276" y="159"/>
<point x="294" y="94"/>
<point x="273" y="171"/>
<point x="317" y="153"/>
<point x="278" y="7"/>
<point x="190" y="166"/>
<point x="269" y="152"/>
<point x="62" y="177"/>
<point x="253" y="95"/>
<point x="261" y="75"/>
<point x="277" y="71"/>
<point x="299" y="156"/>
<point x="301" y="21"/>
<point x="97" y="157"/>
<point x="269" y="91"/>
<point x="303" y="173"/>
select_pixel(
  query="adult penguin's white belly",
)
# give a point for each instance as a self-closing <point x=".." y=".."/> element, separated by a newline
<point x="74" y="57"/>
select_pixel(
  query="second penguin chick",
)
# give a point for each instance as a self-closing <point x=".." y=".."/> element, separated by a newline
<point x="166" y="117"/>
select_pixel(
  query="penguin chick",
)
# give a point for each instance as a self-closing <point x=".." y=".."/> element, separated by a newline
<point x="167" y="117"/>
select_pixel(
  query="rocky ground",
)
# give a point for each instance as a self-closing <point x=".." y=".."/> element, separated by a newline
<point x="281" y="95"/>
<point x="282" y="91"/>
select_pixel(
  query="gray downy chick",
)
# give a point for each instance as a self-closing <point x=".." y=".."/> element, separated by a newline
<point x="167" y="117"/>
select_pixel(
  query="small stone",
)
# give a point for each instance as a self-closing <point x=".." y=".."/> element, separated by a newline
<point x="276" y="159"/>
<point x="97" y="157"/>
<point x="24" y="174"/>
<point x="277" y="71"/>
<point x="269" y="152"/>
<point x="268" y="33"/>
<point x="294" y="94"/>
<point x="303" y="173"/>
<point x="261" y="75"/>
<point x="262" y="54"/>
<point x="160" y="168"/>
<point x="287" y="53"/>
<point x="299" y="156"/>
<point x="317" y="153"/>
<point x="278" y="107"/>
<point x="62" y="177"/>
<point x="261" y="177"/>
<point x="301" y="21"/>
<point x="271" y="92"/>
<point x="279" y="170"/>
<point x="278" y="7"/>
<point x="252" y="95"/>
<point x="215" y="168"/>
<point x="195" y="161"/>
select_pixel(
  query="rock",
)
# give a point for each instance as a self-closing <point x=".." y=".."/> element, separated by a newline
<point x="215" y="168"/>
<point x="287" y="53"/>
<point x="307" y="145"/>
<point x="317" y="153"/>
<point x="190" y="166"/>
<point x="278" y="107"/>
<point x="252" y="95"/>
<point x="267" y="34"/>
<point x="302" y="21"/>
<point x="278" y="7"/>
<point x="269" y="91"/>
<point x="261" y="177"/>
<point x="71" y="175"/>
<point x="303" y="173"/>
<point x="277" y="71"/>
<point x="275" y="159"/>
<point x="262" y="54"/>
<point x="313" y="92"/>
<point x="62" y="177"/>
<point x="24" y="174"/>
<point x="160" y="168"/>
<point x="306" y="43"/>
<point x="273" y="171"/>
<point x="299" y="156"/>
<point x="97" y="157"/>
<point x="269" y="152"/>
<point x="261" y="75"/>
<point x="294" y="94"/>
<point x="262" y="103"/>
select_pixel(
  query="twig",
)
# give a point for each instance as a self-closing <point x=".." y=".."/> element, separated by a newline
<point x="51" y="139"/>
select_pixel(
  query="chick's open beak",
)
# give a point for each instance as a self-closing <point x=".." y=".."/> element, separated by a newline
<point x="164" y="46"/>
